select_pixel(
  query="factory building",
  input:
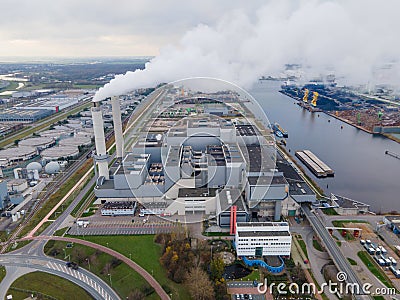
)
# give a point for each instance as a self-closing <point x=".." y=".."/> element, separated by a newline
<point x="3" y="193"/>
<point x="23" y="116"/>
<point x="17" y="185"/>
<point x="263" y="239"/>
<point x="118" y="208"/>
<point x="203" y="160"/>
<point x="206" y="165"/>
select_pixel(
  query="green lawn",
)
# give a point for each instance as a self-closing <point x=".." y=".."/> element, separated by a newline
<point x="329" y="211"/>
<point x="352" y="261"/>
<point x="47" y="284"/>
<point x="2" y="273"/>
<point x="317" y="245"/>
<point x="124" y="279"/>
<point x="374" y="268"/>
<point x="146" y="253"/>
<point x="255" y="275"/>
<point x="303" y="247"/>
<point x="12" y="86"/>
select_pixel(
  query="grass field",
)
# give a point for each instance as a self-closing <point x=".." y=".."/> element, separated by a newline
<point x="12" y="86"/>
<point x="2" y="273"/>
<point x="374" y="268"/>
<point x="303" y="247"/>
<point x="146" y="253"/>
<point x="47" y="284"/>
<point x="123" y="278"/>
<point x="352" y="261"/>
<point x="329" y="211"/>
<point x="317" y="245"/>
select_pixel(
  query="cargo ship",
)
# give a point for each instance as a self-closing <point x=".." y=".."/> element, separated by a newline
<point x="279" y="131"/>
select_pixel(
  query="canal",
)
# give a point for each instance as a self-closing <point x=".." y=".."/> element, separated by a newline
<point x="362" y="170"/>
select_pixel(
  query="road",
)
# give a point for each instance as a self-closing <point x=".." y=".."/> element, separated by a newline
<point x="87" y="280"/>
<point x="150" y="279"/>
<point x="332" y="248"/>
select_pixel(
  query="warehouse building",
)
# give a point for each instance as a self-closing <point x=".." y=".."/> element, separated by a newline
<point x="23" y="116"/>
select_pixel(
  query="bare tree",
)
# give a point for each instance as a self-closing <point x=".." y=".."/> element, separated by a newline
<point x="200" y="286"/>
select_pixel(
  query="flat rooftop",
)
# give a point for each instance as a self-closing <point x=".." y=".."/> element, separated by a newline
<point x="262" y="233"/>
<point x="196" y="192"/>
<point x="266" y="180"/>
<point x="245" y="130"/>
<point x="348" y="203"/>
<point x="261" y="224"/>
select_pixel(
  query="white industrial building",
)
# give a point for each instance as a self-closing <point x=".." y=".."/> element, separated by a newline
<point x="119" y="208"/>
<point x="202" y="164"/>
<point x="263" y="239"/>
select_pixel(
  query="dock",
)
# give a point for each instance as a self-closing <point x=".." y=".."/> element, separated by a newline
<point x="317" y="166"/>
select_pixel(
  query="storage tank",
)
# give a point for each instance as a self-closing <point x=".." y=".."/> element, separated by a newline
<point x="52" y="167"/>
<point x="34" y="166"/>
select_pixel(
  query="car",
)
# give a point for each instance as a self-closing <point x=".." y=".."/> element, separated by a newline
<point x="141" y="215"/>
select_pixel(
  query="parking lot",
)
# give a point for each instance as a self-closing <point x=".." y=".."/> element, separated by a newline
<point x="241" y="290"/>
<point x="122" y="225"/>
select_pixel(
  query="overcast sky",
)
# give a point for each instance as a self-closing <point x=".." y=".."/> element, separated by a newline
<point x="104" y="28"/>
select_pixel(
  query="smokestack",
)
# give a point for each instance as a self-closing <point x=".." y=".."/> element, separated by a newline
<point x="119" y="138"/>
<point x="101" y="156"/>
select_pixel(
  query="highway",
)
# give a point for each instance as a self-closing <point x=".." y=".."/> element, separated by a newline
<point x="330" y="244"/>
<point x="87" y="280"/>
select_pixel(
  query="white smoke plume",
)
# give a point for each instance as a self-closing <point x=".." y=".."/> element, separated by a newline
<point x="351" y="38"/>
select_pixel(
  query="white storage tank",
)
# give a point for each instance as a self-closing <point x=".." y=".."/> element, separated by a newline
<point x="52" y="167"/>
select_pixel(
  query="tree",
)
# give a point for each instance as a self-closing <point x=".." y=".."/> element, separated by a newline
<point x="79" y="255"/>
<point x="217" y="268"/>
<point x="199" y="285"/>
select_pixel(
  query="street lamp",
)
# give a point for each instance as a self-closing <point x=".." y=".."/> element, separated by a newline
<point x="109" y="274"/>
<point x="130" y="256"/>
<point x="88" y="261"/>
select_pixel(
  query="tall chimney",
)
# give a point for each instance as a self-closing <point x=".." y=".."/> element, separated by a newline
<point x="119" y="138"/>
<point x="101" y="156"/>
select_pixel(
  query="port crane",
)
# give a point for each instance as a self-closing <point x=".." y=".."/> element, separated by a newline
<point x="314" y="99"/>
<point x="305" y="97"/>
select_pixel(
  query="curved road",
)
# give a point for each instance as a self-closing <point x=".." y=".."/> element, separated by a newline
<point x="87" y="280"/>
<point x="150" y="279"/>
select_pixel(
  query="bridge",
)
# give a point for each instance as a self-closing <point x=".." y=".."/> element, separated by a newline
<point x="333" y="250"/>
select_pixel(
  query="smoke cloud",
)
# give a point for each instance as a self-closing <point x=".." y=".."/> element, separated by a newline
<point x="353" y="39"/>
